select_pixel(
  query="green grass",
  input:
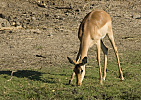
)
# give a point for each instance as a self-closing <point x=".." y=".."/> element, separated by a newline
<point x="52" y="82"/>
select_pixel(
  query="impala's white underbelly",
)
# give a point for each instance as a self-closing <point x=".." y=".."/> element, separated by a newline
<point x="104" y="30"/>
<point x="101" y="32"/>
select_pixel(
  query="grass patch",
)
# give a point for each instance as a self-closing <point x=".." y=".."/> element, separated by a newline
<point x="52" y="82"/>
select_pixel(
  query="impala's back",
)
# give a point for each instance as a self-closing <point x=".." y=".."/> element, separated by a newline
<point x="95" y="22"/>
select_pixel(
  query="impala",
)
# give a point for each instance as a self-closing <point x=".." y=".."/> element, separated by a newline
<point x="92" y="30"/>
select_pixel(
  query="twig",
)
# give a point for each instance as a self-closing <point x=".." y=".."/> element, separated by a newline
<point x="85" y="5"/>
<point x="11" y="75"/>
<point x="63" y="7"/>
<point x="10" y="28"/>
<point x="42" y="5"/>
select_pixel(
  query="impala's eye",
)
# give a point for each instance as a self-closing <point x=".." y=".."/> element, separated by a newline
<point x="81" y="71"/>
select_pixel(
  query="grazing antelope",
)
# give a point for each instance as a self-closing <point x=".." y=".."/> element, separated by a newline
<point x="92" y="30"/>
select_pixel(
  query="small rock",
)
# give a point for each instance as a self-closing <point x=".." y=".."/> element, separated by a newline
<point x="18" y="23"/>
<point x="23" y="25"/>
<point x="46" y="15"/>
<point x="10" y="31"/>
<point x="50" y="35"/>
<point x="33" y="13"/>
<point x="137" y="16"/>
<point x="33" y="18"/>
<point x="3" y="4"/>
<point x="9" y="18"/>
<point x="61" y="18"/>
<point x="77" y="10"/>
<point x="36" y="31"/>
<point x="44" y="28"/>
<point x="4" y="23"/>
<point x="13" y="23"/>
<point x="2" y="16"/>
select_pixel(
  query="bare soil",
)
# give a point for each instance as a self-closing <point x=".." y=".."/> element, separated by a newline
<point x="49" y="32"/>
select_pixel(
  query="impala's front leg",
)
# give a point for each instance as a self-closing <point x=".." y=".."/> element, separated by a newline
<point x="98" y="58"/>
<point x="72" y="77"/>
<point x="77" y="60"/>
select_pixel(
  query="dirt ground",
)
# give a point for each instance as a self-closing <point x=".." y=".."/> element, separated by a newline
<point x="49" y="30"/>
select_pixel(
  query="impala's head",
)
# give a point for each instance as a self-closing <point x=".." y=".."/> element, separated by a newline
<point x="79" y="69"/>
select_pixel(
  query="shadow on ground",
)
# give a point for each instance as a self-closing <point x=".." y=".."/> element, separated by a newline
<point x="32" y="75"/>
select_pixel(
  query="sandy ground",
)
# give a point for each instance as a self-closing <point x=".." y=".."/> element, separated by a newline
<point x="49" y="32"/>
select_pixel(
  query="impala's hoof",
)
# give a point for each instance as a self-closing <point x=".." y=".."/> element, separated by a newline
<point x="122" y="80"/>
<point x="101" y="82"/>
<point x="69" y="81"/>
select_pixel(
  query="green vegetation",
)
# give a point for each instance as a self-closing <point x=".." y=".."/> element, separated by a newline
<point x="52" y="82"/>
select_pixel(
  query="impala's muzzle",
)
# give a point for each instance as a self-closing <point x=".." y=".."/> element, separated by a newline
<point x="80" y="75"/>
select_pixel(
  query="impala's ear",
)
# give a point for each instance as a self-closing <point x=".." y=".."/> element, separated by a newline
<point x="71" y="61"/>
<point x="84" y="60"/>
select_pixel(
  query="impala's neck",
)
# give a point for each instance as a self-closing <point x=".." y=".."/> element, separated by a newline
<point x="83" y="53"/>
<point x="93" y="27"/>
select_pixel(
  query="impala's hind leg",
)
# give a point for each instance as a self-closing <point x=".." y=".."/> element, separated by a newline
<point x="110" y="34"/>
<point x="98" y="59"/>
<point x="105" y="51"/>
